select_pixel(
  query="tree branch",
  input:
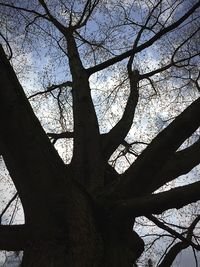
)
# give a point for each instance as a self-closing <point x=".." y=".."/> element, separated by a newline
<point x="56" y="136"/>
<point x="186" y="240"/>
<point x="52" y="88"/>
<point x="7" y="206"/>
<point x="58" y="25"/>
<point x="148" y="43"/>
<point x="178" y="247"/>
<point x="166" y="67"/>
<point x="180" y="163"/>
<point x="87" y="12"/>
<point x="31" y="159"/>
<point x="8" y="46"/>
<point x="147" y="166"/>
<point x="157" y="203"/>
<point x="32" y="11"/>
<point x="118" y="133"/>
<point x="87" y="140"/>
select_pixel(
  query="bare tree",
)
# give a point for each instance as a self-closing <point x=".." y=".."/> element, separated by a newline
<point x="83" y="213"/>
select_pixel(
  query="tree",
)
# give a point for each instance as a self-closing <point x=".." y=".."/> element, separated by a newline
<point x="83" y="213"/>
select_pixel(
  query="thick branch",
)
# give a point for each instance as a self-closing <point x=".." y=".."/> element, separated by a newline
<point x="87" y="141"/>
<point x="172" y="253"/>
<point x="147" y="166"/>
<point x="58" y="25"/>
<point x="141" y="47"/>
<point x="13" y="237"/>
<point x="118" y="133"/>
<point x="181" y="163"/>
<point x="31" y="159"/>
<point x="157" y="203"/>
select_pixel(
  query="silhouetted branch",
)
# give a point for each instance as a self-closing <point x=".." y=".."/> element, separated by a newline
<point x="8" y="45"/>
<point x="147" y="166"/>
<point x="186" y="240"/>
<point x="117" y="134"/>
<point x="32" y="11"/>
<point x="166" y="67"/>
<point x="157" y="203"/>
<point x="180" y="163"/>
<point x="59" y="26"/>
<point x="148" y="43"/>
<point x="56" y="136"/>
<point x="27" y="144"/>
<point x="7" y="206"/>
<point x="52" y="88"/>
<point x="175" y="249"/>
<point x="87" y="12"/>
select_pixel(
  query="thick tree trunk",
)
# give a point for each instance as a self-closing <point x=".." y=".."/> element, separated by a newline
<point x="77" y="243"/>
<point x="65" y="225"/>
<point x="89" y="238"/>
<point x="93" y="245"/>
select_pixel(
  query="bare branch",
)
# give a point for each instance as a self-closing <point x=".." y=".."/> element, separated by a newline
<point x="157" y="203"/>
<point x="63" y="29"/>
<point x="167" y="66"/>
<point x="52" y="88"/>
<point x="180" y="163"/>
<point x="118" y="133"/>
<point x="186" y="240"/>
<point x="148" y="43"/>
<point x="174" y="250"/>
<point x="32" y="11"/>
<point x="182" y="44"/>
<point x="7" y="206"/>
<point x="87" y="12"/>
<point x="145" y="169"/>
<point x="172" y="253"/>
<point x="137" y="39"/>
<point x="196" y="81"/>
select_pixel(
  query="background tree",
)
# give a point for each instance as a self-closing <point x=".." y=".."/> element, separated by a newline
<point x="99" y="58"/>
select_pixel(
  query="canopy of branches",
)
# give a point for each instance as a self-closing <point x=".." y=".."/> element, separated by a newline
<point x="115" y="86"/>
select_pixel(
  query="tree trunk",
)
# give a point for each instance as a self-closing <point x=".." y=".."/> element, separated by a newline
<point x="45" y="254"/>
<point x="88" y="238"/>
<point x="66" y="226"/>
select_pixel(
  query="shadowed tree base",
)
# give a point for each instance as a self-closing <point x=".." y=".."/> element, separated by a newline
<point x="117" y="251"/>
